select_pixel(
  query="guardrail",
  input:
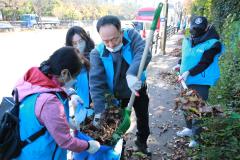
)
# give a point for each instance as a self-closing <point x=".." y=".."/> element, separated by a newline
<point x="157" y="41"/>
<point x="170" y="31"/>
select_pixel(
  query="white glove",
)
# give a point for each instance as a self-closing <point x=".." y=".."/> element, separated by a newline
<point x="134" y="84"/>
<point x="94" y="146"/>
<point x="96" y="120"/>
<point x="176" y="68"/>
<point x="183" y="76"/>
<point x="75" y="100"/>
<point x="73" y="124"/>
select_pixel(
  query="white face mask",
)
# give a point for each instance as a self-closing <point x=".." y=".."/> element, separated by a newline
<point x="115" y="49"/>
<point x="69" y="84"/>
<point x="81" y="46"/>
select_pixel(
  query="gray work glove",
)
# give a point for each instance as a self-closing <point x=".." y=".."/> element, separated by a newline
<point x="134" y="83"/>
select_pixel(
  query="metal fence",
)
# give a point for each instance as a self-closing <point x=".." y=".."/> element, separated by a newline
<point x="171" y="31"/>
<point x="158" y="38"/>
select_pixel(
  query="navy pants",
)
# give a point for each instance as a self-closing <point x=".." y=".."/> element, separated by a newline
<point x="141" y="110"/>
<point x="193" y="124"/>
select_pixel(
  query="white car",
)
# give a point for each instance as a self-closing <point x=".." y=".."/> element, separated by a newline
<point x="75" y="23"/>
<point x="4" y="25"/>
<point x="127" y="25"/>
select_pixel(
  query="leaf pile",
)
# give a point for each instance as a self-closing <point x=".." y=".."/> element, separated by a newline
<point x="179" y="149"/>
<point x="169" y="78"/>
<point x="176" y="52"/>
<point x="190" y="102"/>
<point x="108" y="126"/>
<point x="130" y="154"/>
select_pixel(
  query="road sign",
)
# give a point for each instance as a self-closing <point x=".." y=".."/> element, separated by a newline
<point x="162" y="19"/>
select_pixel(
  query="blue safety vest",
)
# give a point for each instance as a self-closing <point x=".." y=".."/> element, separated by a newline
<point x="44" y="146"/>
<point x="82" y="89"/>
<point x="108" y="60"/>
<point x="191" y="56"/>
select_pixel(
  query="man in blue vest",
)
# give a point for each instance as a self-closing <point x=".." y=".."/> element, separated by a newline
<point x="199" y="65"/>
<point x="114" y="66"/>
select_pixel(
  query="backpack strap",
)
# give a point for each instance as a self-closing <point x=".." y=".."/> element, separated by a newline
<point x="33" y="137"/>
<point x="15" y="109"/>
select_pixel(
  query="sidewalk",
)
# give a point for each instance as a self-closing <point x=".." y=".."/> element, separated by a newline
<point x="163" y="121"/>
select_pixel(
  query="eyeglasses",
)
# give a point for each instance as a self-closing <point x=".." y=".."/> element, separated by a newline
<point x="75" y="43"/>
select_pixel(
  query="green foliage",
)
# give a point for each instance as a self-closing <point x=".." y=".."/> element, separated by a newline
<point x="202" y="7"/>
<point x="222" y="139"/>
<point x="69" y="9"/>
<point x="26" y="8"/>
<point x="223" y="11"/>
<point x="227" y="91"/>
<point x="187" y="32"/>
<point x="217" y="10"/>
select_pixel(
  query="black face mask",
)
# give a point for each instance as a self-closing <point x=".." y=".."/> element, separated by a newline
<point x="196" y="32"/>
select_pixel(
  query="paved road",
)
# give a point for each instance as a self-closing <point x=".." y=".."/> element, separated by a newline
<point x="21" y="50"/>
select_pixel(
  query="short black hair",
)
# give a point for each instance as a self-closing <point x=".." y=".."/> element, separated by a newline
<point x="82" y="33"/>
<point x="64" y="58"/>
<point x="107" y="20"/>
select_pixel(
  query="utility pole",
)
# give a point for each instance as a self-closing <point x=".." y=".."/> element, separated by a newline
<point x="165" y="28"/>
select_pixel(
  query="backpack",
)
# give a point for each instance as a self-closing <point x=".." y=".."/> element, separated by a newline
<point x="10" y="141"/>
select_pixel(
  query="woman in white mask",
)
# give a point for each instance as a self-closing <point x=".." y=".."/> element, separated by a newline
<point x="78" y="38"/>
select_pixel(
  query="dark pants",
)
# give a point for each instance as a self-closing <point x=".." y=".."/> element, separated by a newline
<point x="193" y="124"/>
<point x="141" y="110"/>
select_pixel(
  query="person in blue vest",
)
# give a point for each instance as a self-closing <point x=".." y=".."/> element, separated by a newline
<point x="199" y="65"/>
<point x="44" y="104"/>
<point x="80" y="96"/>
<point x="114" y="66"/>
<point x="178" y="25"/>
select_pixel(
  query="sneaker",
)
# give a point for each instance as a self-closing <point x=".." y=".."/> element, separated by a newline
<point x="185" y="132"/>
<point x="193" y="144"/>
<point x="142" y="147"/>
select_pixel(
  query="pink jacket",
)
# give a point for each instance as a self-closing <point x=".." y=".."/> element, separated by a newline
<point x="49" y="110"/>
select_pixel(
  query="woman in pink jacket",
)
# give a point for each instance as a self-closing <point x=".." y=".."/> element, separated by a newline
<point x="51" y="107"/>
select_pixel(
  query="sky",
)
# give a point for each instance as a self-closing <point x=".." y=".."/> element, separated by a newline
<point x="150" y="3"/>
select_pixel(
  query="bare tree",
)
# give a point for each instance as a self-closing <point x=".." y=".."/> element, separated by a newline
<point x="178" y="10"/>
<point x="41" y="7"/>
<point x="38" y="6"/>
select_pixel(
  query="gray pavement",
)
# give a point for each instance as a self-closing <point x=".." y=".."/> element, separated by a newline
<point x="21" y="50"/>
